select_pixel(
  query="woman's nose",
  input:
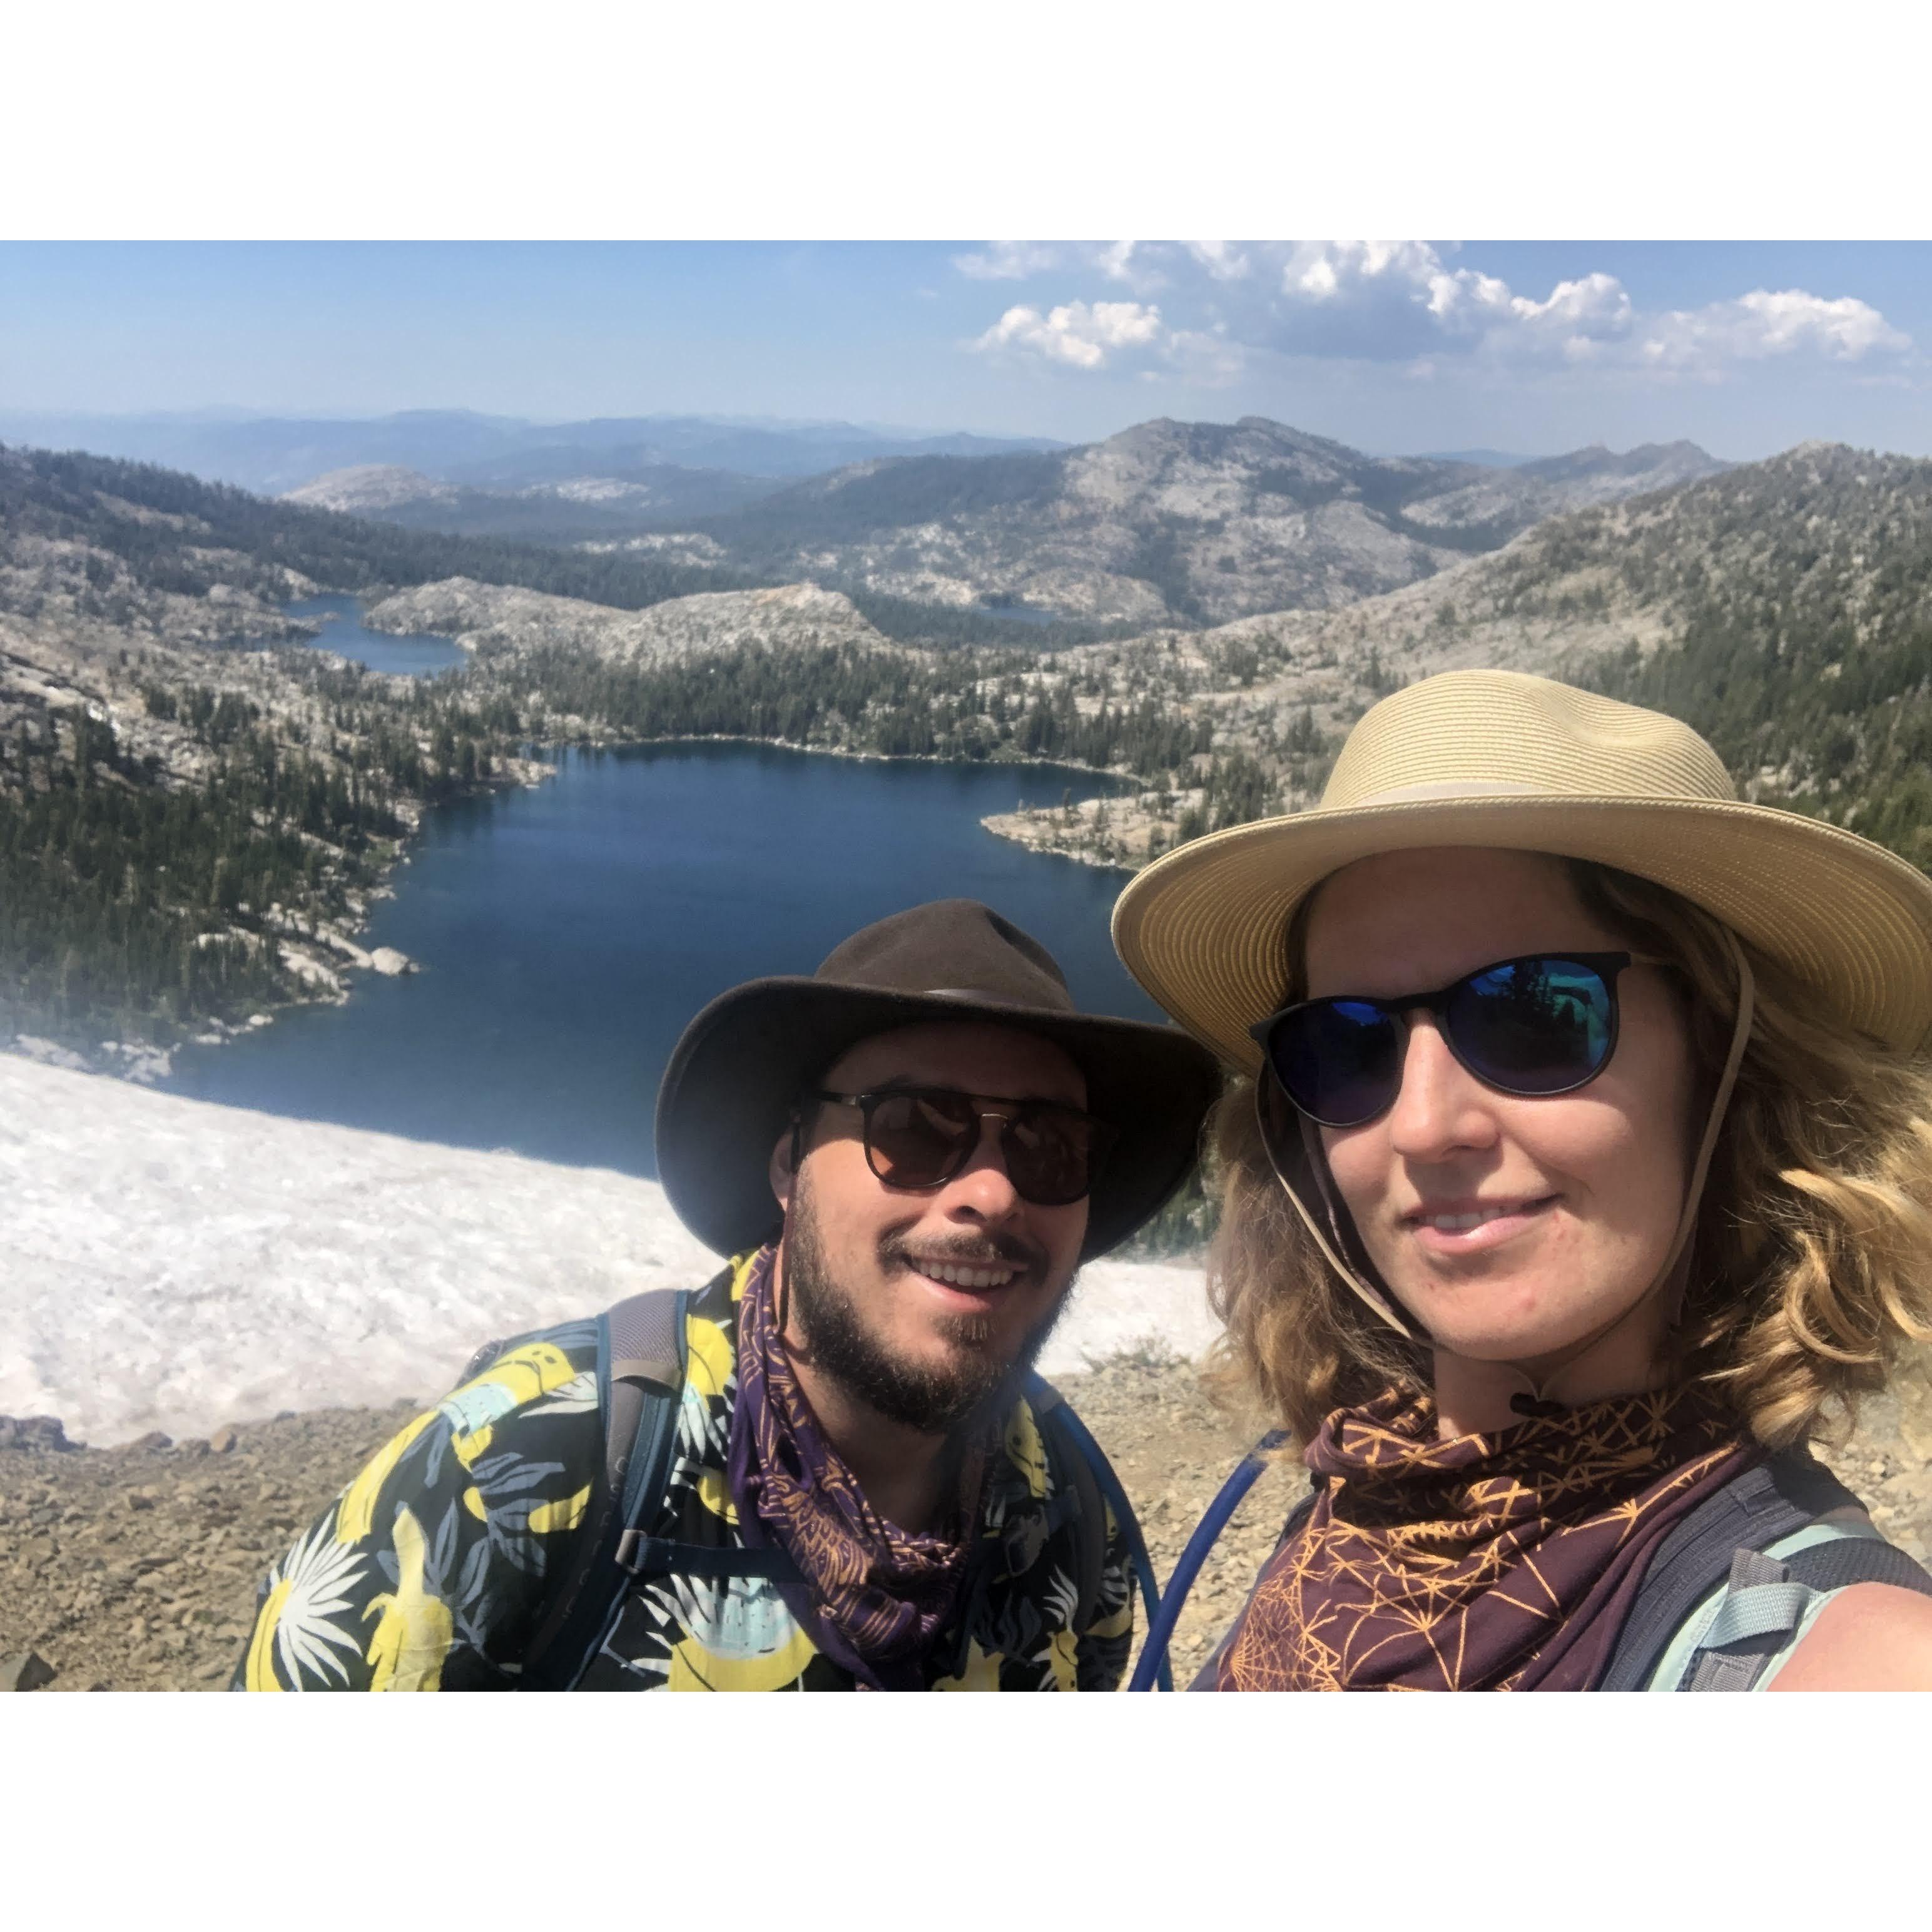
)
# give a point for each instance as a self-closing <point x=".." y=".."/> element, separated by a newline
<point x="1440" y="1106"/>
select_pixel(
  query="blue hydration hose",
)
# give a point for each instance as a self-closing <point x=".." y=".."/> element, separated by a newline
<point x="1160" y="1630"/>
<point x="1142" y="1564"/>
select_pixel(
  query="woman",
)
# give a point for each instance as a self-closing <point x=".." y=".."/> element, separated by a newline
<point x="1584" y="1173"/>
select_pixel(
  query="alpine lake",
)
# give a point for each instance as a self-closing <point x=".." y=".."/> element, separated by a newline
<point x="564" y="934"/>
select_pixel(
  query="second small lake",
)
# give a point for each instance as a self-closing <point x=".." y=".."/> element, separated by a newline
<point x="343" y="632"/>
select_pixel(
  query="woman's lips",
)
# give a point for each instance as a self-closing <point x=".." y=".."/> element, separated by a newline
<point x="1471" y="1227"/>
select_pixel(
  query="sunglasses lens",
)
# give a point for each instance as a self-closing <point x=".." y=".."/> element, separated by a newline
<point x="925" y="1135"/>
<point x="919" y="1139"/>
<point x="1340" y="1060"/>
<point x="1052" y="1155"/>
<point x="1533" y="1026"/>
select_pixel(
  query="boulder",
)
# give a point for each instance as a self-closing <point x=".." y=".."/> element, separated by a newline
<point x="224" y="1438"/>
<point x="34" y="1432"/>
<point x="26" y="1670"/>
<point x="388" y="961"/>
<point x="154" y="1439"/>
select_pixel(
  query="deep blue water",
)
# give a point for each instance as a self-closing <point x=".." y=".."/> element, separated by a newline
<point x="566" y="934"/>
<point x="342" y="632"/>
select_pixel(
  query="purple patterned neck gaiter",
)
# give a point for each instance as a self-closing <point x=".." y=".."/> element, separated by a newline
<point x="879" y="1596"/>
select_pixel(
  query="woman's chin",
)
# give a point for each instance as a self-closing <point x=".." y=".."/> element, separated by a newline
<point x="1512" y="1334"/>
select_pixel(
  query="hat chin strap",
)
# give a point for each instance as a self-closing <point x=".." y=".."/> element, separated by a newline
<point x="1334" y="1239"/>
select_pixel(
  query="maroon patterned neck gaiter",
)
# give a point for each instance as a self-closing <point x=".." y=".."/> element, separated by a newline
<point x="1506" y="1562"/>
<point x="878" y="1596"/>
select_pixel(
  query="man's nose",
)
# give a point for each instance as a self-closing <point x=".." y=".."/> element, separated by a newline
<point x="1440" y="1106"/>
<point x="983" y="1186"/>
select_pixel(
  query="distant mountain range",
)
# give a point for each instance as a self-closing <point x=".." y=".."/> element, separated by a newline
<point x="616" y="502"/>
<point x="940" y="538"/>
<point x="270" y="455"/>
<point x="1166" y="523"/>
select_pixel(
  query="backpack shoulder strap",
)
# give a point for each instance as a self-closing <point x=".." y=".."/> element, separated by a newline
<point x="641" y="1370"/>
<point x="1764" y="1612"/>
<point x="1092" y="1479"/>
<point x="1784" y="1493"/>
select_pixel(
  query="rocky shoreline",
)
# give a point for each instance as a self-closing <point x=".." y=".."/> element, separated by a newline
<point x="135" y="1568"/>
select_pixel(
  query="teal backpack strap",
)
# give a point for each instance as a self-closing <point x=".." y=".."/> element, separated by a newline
<point x="1769" y="1500"/>
<point x="1093" y="1482"/>
<point x="641" y="1368"/>
<point x="1762" y="1615"/>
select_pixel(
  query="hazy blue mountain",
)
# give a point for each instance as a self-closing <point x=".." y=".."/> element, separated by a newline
<point x="619" y="501"/>
<point x="274" y="453"/>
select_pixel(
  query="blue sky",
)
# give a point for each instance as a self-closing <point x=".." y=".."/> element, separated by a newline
<point x="1534" y="346"/>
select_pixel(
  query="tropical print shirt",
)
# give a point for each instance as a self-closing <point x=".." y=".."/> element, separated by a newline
<point x="429" y="1571"/>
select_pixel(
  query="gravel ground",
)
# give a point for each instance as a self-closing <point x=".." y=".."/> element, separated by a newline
<point x="135" y="1568"/>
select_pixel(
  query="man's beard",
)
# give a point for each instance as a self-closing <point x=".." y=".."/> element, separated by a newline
<point x="935" y="1398"/>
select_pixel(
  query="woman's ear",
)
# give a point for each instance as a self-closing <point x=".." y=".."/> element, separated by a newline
<point x="783" y="1170"/>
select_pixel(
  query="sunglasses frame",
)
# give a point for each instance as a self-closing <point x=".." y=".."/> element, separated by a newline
<point x="1009" y="1113"/>
<point x="1606" y="966"/>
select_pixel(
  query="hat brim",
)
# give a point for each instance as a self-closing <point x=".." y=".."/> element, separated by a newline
<point x="1204" y="929"/>
<point x="738" y="1068"/>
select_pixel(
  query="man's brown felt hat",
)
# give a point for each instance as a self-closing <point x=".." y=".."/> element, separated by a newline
<point x="738" y="1070"/>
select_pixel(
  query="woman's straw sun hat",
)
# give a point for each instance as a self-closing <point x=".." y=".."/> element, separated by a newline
<point x="1499" y="758"/>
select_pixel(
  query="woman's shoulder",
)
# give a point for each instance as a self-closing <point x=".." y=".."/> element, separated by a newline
<point x="1870" y="1636"/>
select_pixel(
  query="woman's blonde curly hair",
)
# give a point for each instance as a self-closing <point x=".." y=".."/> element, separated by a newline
<point x="1811" y="1261"/>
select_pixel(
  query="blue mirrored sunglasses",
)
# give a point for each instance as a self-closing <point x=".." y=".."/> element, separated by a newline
<point x="1541" y="1024"/>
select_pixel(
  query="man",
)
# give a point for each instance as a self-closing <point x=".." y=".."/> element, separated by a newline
<point x="831" y="1473"/>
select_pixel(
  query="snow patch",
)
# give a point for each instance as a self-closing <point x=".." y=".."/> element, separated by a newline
<point x="173" y="1264"/>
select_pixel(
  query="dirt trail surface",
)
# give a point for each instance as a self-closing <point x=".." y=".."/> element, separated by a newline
<point x="135" y="1568"/>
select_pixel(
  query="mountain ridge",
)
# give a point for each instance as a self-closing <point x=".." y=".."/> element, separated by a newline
<point x="1168" y="521"/>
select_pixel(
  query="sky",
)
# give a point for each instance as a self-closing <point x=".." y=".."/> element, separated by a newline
<point x="1528" y="347"/>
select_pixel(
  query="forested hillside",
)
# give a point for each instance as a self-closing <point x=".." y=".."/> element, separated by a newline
<point x="171" y="533"/>
<point x="143" y="896"/>
<point x="1784" y="609"/>
<point x="1801" y="590"/>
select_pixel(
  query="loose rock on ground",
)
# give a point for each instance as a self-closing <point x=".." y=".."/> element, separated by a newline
<point x="136" y="1568"/>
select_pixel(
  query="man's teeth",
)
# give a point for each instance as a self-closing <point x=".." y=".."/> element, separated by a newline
<point x="1454" y="1224"/>
<point x="968" y="1277"/>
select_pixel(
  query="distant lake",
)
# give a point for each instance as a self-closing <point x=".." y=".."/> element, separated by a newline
<point x="1021" y="613"/>
<point x="342" y="632"/>
<point x="567" y="933"/>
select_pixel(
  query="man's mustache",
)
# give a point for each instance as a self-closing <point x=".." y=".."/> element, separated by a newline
<point x="970" y="1251"/>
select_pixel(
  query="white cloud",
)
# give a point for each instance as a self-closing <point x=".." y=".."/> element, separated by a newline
<point x="1398" y="301"/>
<point x="1763" y="324"/>
<point x="1080" y="335"/>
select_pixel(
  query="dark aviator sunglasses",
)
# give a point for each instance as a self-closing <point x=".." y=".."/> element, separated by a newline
<point x="1543" y="1024"/>
<point x="921" y="1137"/>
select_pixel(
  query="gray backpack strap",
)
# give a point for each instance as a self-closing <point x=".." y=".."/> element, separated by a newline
<point x="645" y="1350"/>
<point x="1767" y="1601"/>
<point x="641" y="1365"/>
<point x="1768" y="1501"/>
<point x="1761" y="1608"/>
